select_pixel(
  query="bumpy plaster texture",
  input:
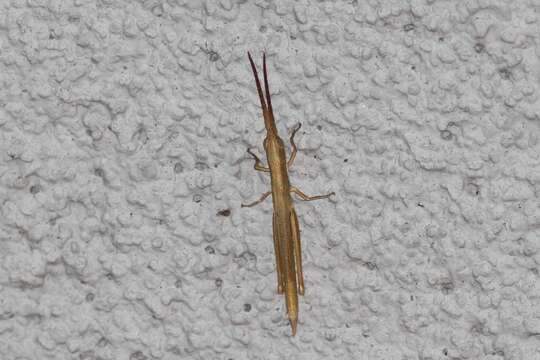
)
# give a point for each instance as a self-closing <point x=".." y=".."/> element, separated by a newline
<point x="123" y="135"/>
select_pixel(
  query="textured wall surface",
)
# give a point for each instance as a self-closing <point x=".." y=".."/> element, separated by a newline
<point x="123" y="135"/>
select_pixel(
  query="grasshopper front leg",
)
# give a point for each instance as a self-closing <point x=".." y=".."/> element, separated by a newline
<point x="258" y="163"/>
<point x="293" y="146"/>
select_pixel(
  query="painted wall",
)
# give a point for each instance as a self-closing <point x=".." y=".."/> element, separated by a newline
<point x="123" y="135"/>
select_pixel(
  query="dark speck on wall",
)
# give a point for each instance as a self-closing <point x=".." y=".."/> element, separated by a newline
<point x="446" y="135"/>
<point x="224" y="212"/>
<point x="138" y="355"/>
<point x="178" y="168"/>
<point x="201" y="166"/>
<point x="214" y="56"/>
<point x="505" y="73"/>
<point x="408" y="27"/>
<point x="479" y="47"/>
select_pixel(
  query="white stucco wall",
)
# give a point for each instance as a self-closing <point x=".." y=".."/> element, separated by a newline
<point x="123" y="135"/>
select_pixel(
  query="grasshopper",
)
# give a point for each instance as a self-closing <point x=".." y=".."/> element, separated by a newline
<point x="286" y="231"/>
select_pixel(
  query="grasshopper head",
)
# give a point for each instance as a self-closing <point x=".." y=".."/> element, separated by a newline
<point x="273" y="144"/>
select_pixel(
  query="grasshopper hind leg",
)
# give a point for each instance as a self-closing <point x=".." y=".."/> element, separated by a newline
<point x="295" y="230"/>
<point x="279" y="257"/>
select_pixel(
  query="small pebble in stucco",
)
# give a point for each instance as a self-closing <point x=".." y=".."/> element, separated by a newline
<point x="247" y="307"/>
<point x="209" y="250"/>
<point x="218" y="282"/>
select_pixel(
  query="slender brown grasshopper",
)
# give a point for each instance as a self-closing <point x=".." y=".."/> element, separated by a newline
<point x="285" y="223"/>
